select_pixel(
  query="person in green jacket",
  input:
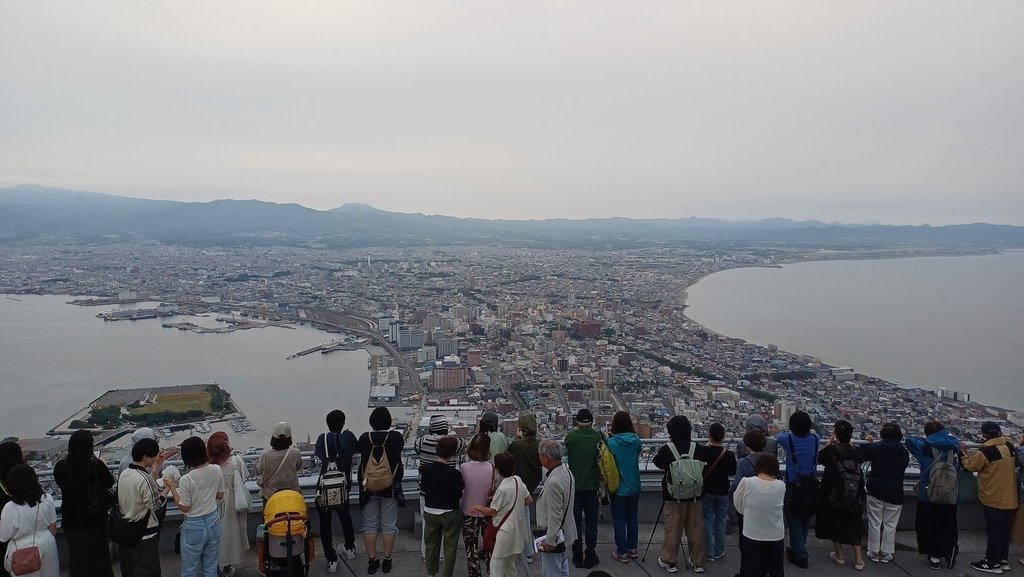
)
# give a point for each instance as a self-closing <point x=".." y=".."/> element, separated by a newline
<point x="489" y="426"/>
<point x="581" y="446"/>
<point x="527" y="454"/>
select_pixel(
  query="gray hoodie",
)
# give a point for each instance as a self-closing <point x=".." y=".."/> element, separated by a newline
<point x="757" y="422"/>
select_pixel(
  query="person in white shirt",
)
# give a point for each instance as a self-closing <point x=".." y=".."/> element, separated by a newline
<point x="138" y="497"/>
<point x="759" y="499"/>
<point x="29" y="519"/>
<point x="197" y="494"/>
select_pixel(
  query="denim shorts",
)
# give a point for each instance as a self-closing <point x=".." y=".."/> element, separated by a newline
<point x="380" y="515"/>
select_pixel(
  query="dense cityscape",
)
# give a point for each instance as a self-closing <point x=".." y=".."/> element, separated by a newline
<point x="461" y="330"/>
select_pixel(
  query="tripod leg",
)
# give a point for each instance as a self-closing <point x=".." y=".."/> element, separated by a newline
<point x="653" y="531"/>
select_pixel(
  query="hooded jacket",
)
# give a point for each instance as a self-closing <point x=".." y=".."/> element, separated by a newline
<point x="526" y="451"/>
<point x="941" y="442"/>
<point x="997" y="473"/>
<point x="757" y="423"/>
<point x="626" y="447"/>
<point x="889" y="461"/>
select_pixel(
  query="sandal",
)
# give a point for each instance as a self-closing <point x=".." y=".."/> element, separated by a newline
<point x="859" y="566"/>
<point x="835" y="559"/>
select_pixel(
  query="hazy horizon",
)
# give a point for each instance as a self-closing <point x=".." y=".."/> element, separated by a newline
<point x="895" y="113"/>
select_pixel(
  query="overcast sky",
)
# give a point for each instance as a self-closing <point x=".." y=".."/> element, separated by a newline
<point x="896" y="112"/>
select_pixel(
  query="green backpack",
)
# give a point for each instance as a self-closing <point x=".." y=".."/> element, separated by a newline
<point x="686" y="475"/>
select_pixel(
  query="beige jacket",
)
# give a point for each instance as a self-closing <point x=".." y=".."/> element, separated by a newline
<point x="997" y="474"/>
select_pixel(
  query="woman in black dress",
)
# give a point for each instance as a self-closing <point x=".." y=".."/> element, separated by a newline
<point x="85" y="484"/>
<point x="10" y="456"/>
<point x="841" y="507"/>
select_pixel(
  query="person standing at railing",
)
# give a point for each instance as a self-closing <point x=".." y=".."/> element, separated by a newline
<point x="441" y="486"/>
<point x="801" y="446"/>
<point x="426" y="451"/>
<point x="754" y="442"/>
<point x="997" y="491"/>
<point x="553" y="508"/>
<point x="499" y="441"/>
<point x="85" y="484"/>
<point x="139" y="498"/>
<point x="625" y="446"/>
<point x="380" y="451"/>
<point x="505" y="514"/>
<point x="479" y="478"/>
<point x="715" y="500"/>
<point x="337" y="445"/>
<point x="278" y="468"/>
<point x="935" y="523"/>
<point x="581" y="446"/>
<point x="1017" y="533"/>
<point x="841" y="503"/>
<point x="198" y="495"/>
<point x="758" y="423"/>
<point x="528" y="468"/>
<point x="10" y="457"/>
<point x="233" y="540"/>
<point x="684" y="516"/>
<point x="29" y="519"/>
<point x="760" y="498"/>
<point x="889" y="461"/>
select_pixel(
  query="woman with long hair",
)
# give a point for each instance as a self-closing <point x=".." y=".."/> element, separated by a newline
<point x="29" y="519"/>
<point x="197" y="494"/>
<point x="233" y="540"/>
<point x="10" y="456"/>
<point x="625" y="446"/>
<point x="85" y="484"/>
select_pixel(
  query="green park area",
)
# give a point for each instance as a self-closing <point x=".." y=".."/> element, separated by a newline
<point x="169" y="406"/>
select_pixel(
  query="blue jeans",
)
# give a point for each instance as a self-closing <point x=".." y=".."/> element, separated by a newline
<point x="200" y="545"/>
<point x="584" y="510"/>
<point x="716" y="515"/>
<point x="554" y="564"/>
<point x="997" y="529"/>
<point x="799" y="527"/>
<point x="624" y="521"/>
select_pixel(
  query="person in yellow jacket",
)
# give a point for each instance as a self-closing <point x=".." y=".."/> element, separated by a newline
<point x="997" y="490"/>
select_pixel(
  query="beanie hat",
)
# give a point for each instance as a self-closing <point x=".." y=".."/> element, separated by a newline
<point x="438" y="425"/>
<point x="990" y="429"/>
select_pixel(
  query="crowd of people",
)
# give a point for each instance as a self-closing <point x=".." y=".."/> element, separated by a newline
<point x="511" y="501"/>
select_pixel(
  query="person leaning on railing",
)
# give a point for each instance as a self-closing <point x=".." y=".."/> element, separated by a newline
<point x="935" y="523"/>
<point x="889" y="460"/>
<point x="997" y="491"/>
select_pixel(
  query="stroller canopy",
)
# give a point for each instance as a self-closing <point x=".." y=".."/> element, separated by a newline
<point x="285" y="501"/>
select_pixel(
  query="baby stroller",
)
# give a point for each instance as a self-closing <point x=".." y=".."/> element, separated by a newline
<point x="286" y="547"/>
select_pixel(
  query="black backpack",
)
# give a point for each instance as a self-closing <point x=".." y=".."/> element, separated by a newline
<point x="804" y="501"/>
<point x="851" y="479"/>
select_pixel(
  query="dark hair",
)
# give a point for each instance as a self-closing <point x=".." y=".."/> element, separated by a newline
<point x="843" y="431"/>
<point x="218" y="449"/>
<point x="932" y="427"/>
<point x="800" y="424"/>
<point x="766" y="463"/>
<point x="717" y="432"/>
<point x="755" y="441"/>
<point x="891" y="431"/>
<point x="505" y="463"/>
<point x="622" y="423"/>
<point x="23" y="485"/>
<point x="679" y="430"/>
<point x="145" y="448"/>
<point x="280" y="443"/>
<point x="599" y="573"/>
<point x="193" y="452"/>
<point x="479" y="448"/>
<point x="80" y="452"/>
<point x="380" y="419"/>
<point x="10" y="455"/>
<point x="446" y="447"/>
<point x="335" y="421"/>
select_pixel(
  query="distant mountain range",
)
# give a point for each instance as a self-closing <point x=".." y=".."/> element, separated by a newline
<point x="35" y="214"/>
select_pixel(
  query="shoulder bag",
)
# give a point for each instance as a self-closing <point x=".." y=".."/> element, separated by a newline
<point x="243" y="500"/>
<point x="124" y="532"/>
<point x="707" y="472"/>
<point x="27" y="560"/>
<point x="491" y="531"/>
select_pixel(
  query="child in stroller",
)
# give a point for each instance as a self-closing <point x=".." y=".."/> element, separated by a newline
<point x="287" y="546"/>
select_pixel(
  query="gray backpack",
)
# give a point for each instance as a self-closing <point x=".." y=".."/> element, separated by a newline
<point x="943" y="478"/>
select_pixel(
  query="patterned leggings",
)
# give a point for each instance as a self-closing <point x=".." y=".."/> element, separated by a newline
<point x="472" y="528"/>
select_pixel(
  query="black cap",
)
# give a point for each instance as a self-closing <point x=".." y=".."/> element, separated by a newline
<point x="584" y="416"/>
<point x="491" y="418"/>
<point x="990" y="429"/>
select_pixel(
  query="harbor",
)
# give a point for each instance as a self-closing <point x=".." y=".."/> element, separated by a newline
<point x="345" y="344"/>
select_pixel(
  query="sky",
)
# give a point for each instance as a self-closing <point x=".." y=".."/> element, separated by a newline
<point x="860" y="111"/>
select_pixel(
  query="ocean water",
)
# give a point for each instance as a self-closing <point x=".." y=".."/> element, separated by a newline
<point x="955" y="322"/>
<point x="56" y="358"/>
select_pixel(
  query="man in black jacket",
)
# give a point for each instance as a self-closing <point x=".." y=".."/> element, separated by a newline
<point x="889" y="460"/>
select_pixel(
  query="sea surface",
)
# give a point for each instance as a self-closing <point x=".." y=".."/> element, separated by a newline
<point x="56" y="358"/>
<point x="955" y="322"/>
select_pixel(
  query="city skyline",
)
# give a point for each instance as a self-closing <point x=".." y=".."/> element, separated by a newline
<point x="897" y="114"/>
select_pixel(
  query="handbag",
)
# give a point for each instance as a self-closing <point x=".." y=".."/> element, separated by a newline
<point x="491" y="532"/>
<point x="124" y="532"/>
<point x="27" y="560"/>
<point x="243" y="500"/>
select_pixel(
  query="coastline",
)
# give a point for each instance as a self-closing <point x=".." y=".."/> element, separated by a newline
<point x="682" y="299"/>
